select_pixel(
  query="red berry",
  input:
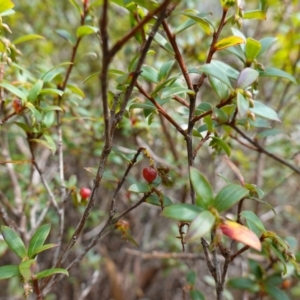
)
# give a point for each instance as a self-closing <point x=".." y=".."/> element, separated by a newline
<point x="149" y="174"/>
<point x="85" y="192"/>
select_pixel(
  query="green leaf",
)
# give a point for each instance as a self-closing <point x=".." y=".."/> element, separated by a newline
<point x="13" y="241"/>
<point x="243" y="284"/>
<point x="269" y="132"/>
<point x="274" y="72"/>
<point x="149" y="74"/>
<point x="264" y="111"/>
<point x="230" y="71"/>
<point x="14" y="91"/>
<point x="155" y="200"/>
<point x="49" y="143"/>
<point x="252" y="49"/>
<point x="51" y="108"/>
<point x="266" y="43"/>
<point x="276" y="293"/>
<point x="215" y="71"/>
<point x="26" y="38"/>
<point x="51" y="272"/>
<point x="199" y="19"/>
<point x="86" y="30"/>
<point x="191" y="277"/>
<point x="171" y="91"/>
<point x="202" y="188"/>
<point x="219" y="87"/>
<point x="242" y="104"/>
<point x="246" y="78"/>
<point x="229" y="41"/>
<point x="6" y="5"/>
<point x="222" y="144"/>
<point x="76" y="90"/>
<point x="196" y="295"/>
<point x="139" y="188"/>
<point x="45" y="247"/>
<point x="200" y="226"/>
<point x="160" y="40"/>
<point x="78" y="8"/>
<point x="91" y="76"/>
<point x="255" y="14"/>
<point x="38" y="239"/>
<point x="165" y="70"/>
<point x="253" y="222"/>
<point x="228" y="196"/>
<point x="9" y="271"/>
<point x="183" y="26"/>
<point x="27" y="268"/>
<point x="34" y="111"/>
<point x="67" y="36"/>
<point x="52" y="73"/>
<point x="35" y="90"/>
<point x="51" y="91"/>
<point x="181" y="212"/>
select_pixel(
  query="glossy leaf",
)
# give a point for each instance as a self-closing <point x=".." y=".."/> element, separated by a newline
<point x="252" y="49"/>
<point x="246" y="78"/>
<point x="200" y="226"/>
<point x="27" y="268"/>
<point x="264" y="111"/>
<point x="9" y="271"/>
<point x="181" y="212"/>
<point x="240" y="233"/>
<point x="253" y="222"/>
<point x="38" y="239"/>
<point x="255" y="14"/>
<point x="155" y="200"/>
<point x="229" y="41"/>
<point x="159" y="39"/>
<point x="6" y="5"/>
<point x="274" y="72"/>
<point x="86" y="30"/>
<point x="26" y="38"/>
<point x="13" y="241"/>
<point x="67" y="36"/>
<point x="51" y="272"/>
<point x="175" y="90"/>
<point x="165" y="70"/>
<point x="242" y="104"/>
<point x="229" y="70"/>
<point x="139" y="188"/>
<point x="149" y="74"/>
<point x="219" y="87"/>
<point x="199" y="19"/>
<point x="266" y="43"/>
<point x="221" y="144"/>
<point x="228" y="196"/>
<point x="202" y="188"/>
<point x="14" y="90"/>
<point x="35" y="90"/>
<point x="215" y="71"/>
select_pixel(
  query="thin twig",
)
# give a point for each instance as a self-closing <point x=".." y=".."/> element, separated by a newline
<point x="263" y="150"/>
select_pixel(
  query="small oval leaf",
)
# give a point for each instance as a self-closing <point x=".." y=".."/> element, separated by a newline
<point x="181" y="212"/>
<point x="228" y="42"/>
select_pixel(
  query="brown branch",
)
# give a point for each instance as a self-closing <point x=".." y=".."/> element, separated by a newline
<point x="263" y="150"/>
<point x="178" y="56"/>
<point x="201" y="144"/>
<point x="160" y="109"/>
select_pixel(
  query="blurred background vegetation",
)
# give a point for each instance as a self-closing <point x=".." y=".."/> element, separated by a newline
<point x="114" y="269"/>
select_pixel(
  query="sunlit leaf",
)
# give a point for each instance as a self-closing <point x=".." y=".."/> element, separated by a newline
<point x="200" y="226"/>
<point x="241" y="234"/>
<point x="26" y="38"/>
<point x="228" y="42"/>
<point x="228" y="196"/>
